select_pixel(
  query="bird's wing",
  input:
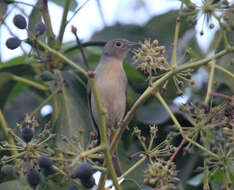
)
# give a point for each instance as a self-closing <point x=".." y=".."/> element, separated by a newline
<point x="89" y="93"/>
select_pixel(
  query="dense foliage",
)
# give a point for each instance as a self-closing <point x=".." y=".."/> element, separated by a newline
<point x="162" y="145"/>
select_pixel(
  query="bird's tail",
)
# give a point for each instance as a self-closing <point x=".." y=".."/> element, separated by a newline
<point x="116" y="164"/>
<point x="115" y="158"/>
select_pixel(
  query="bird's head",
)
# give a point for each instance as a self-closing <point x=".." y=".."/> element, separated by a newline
<point x="117" y="49"/>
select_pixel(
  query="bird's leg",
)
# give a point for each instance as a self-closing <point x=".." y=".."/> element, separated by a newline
<point x="121" y="124"/>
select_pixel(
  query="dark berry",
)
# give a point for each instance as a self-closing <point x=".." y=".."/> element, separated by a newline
<point x="44" y="162"/>
<point x="13" y="43"/>
<point x="20" y="21"/>
<point x="40" y="28"/>
<point x="84" y="170"/>
<point x="88" y="182"/>
<point x="33" y="178"/>
<point x="27" y="134"/>
<point x="48" y="171"/>
<point x="46" y="76"/>
<point x="72" y="187"/>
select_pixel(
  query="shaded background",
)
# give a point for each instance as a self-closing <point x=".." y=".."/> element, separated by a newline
<point x="101" y="20"/>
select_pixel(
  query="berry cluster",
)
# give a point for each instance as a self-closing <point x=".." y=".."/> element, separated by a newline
<point x="33" y="178"/>
<point x="33" y="175"/>
<point x="161" y="176"/>
<point x="149" y="58"/>
<point x="29" y="146"/>
<point x="85" y="173"/>
<point x="21" y="23"/>
<point x="46" y="165"/>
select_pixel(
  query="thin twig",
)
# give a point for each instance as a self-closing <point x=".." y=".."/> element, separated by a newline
<point x="155" y="85"/>
<point x="222" y="96"/>
<point x="210" y="83"/>
<point x="30" y="82"/>
<point x="63" y="23"/>
<point x="162" y="101"/>
<point x="58" y="54"/>
<point x="74" y="31"/>
<point x="176" y="152"/>
<point x="101" y="12"/>
<point x="176" y="36"/>
<point x="5" y="130"/>
<point x="77" y="10"/>
<point x="46" y="17"/>
<point x="224" y="71"/>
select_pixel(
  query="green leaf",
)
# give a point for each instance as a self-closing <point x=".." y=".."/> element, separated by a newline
<point x="5" y="87"/>
<point x="130" y="184"/>
<point x="19" y="67"/>
<point x="196" y="180"/>
<point x="133" y="74"/>
<point x="186" y="2"/>
<point x="51" y="185"/>
<point x="13" y="184"/>
<point x="72" y="109"/>
<point x="73" y="4"/>
<point x="13" y="62"/>
<point x="153" y="113"/>
<point x="225" y="62"/>
<point x="219" y="176"/>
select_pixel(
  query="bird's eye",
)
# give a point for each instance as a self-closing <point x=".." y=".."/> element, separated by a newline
<point x="118" y="44"/>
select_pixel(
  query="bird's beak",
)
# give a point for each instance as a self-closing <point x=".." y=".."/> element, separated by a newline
<point x="132" y="44"/>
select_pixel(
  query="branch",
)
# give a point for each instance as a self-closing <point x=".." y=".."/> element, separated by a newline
<point x="176" y="152"/>
<point x="45" y="102"/>
<point x="176" y="36"/>
<point x="222" y="95"/>
<point x="147" y="93"/>
<point x="77" y="10"/>
<point x="225" y="39"/>
<point x="70" y="62"/>
<point x="30" y="82"/>
<point x="46" y="17"/>
<point x="162" y="101"/>
<point x="74" y="31"/>
<point x="63" y="23"/>
<point x="5" y="130"/>
<point x="225" y="71"/>
<point x="210" y="83"/>
<point x="102" y="130"/>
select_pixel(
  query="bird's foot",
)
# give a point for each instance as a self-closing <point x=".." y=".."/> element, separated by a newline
<point x="121" y="124"/>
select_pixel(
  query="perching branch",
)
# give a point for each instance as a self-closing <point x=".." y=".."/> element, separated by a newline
<point x="148" y="92"/>
<point x="102" y="130"/>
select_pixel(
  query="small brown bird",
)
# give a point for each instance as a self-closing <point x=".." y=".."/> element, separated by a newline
<point x="112" y="84"/>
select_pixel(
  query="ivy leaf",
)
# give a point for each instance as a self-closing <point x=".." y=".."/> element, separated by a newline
<point x="71" y="114"/>
<point x="130" y="184"/>
<point x="73" y="4"/>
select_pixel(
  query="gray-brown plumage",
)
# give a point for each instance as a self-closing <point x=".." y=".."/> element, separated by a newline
<point x="112" y="84"/>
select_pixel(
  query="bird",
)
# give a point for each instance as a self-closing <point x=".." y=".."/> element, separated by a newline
<point x="111" y="82"/>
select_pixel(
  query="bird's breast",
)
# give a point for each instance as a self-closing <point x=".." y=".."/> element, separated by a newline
<point x="111" y="85"/>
